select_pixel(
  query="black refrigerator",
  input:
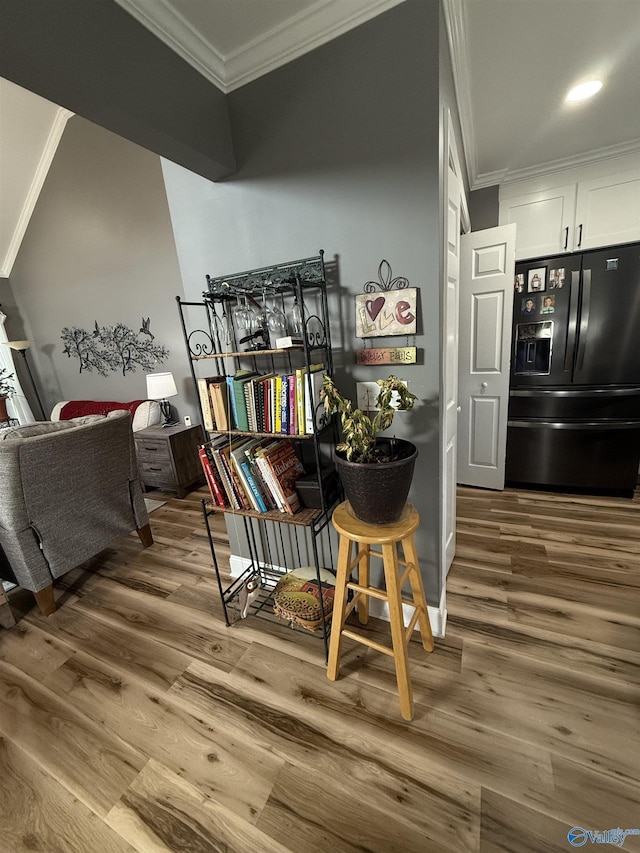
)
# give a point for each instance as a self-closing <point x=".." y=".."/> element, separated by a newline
<point x="574" y="401"/>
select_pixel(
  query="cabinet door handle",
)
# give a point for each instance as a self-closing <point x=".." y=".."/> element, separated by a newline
<point x="154" y="449"/>
<point x="580" y="236"/>
<point x="154" y="469"/>
<point x="566" y="238"/>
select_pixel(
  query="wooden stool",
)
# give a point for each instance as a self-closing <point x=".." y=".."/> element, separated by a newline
<point x="352" y="530"/>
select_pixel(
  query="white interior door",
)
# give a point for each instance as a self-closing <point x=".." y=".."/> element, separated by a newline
<point x="455" y="220"/>
<point x="487" y="269"/>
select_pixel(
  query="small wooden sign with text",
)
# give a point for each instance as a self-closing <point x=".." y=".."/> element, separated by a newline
<point x="389" y="355"/>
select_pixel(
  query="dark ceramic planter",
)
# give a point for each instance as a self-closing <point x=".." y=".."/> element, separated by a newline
<point x="378" y="492"/>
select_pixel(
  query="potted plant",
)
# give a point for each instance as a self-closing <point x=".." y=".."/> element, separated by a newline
<point x="6" y="390"/>
<point x="375" y="471"/>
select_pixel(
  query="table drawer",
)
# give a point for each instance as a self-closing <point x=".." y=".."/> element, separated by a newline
<point x="151" y="450"/>
<point x="156" y="472"/>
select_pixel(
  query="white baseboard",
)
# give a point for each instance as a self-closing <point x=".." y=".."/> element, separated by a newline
<point x="377" y="608"/>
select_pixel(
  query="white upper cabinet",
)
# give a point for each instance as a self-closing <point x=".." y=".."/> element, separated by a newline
<point x="544" y="221"/>
<point x="608" y="211"/>
<point x="602" y="211"/>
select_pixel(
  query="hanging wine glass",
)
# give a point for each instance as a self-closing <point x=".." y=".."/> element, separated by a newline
<point x="242" y="315"/>
<point x="277" y="320"/>
<point x="297" y="319"/>
<point x="225" y="327"/>
<point x="260" y="324"/>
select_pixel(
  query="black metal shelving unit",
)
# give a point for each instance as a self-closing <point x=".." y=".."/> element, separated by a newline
<point x="276" y="542"/>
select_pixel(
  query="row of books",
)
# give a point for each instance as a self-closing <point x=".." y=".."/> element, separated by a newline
<point x="256" y="402"/>
<point x="252" y="474"/>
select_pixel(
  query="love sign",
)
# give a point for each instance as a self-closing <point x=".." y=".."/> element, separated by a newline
<point x="390" y="313"/>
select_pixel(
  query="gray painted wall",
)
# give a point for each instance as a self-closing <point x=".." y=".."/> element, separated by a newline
<point x="340" y="150"/>
<point x="484" y="208"/>
<point x="99" y="247"/>
<point x="95" y="59"/>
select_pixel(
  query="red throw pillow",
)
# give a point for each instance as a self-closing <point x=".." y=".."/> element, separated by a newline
<point x="78" y="408"/>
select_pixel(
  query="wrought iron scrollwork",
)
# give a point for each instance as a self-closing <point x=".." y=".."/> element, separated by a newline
<point x="279" y="278"/>
<point x="200" y="344"/>
<point x="315" y="331"/>
<point x="386" y="280"/>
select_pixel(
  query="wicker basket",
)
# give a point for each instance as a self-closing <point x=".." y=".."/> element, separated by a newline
<point x="296" y="598"/>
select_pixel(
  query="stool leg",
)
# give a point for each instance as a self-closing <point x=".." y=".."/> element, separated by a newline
<point x="398" y="639"/>
<point x="363" y="580"/>
<point x="417" y="588"/>
<point x="342" y="578"/>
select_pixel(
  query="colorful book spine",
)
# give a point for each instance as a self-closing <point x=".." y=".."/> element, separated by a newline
<point x="268" y="478"/>
<point x="313" y="386"/>
<point x="277" y="396"/>
<point x="232" y="401"/>
<point x="284" y="405"/>
<point x="267" y="497"/>
<point x="216" y="494"/>
<point x="205" y="405"/>
<point x="246" y="470"/>
<point x="226" y="480"/>
<point x="293" y="417"/>
<point x="300" y="372"/>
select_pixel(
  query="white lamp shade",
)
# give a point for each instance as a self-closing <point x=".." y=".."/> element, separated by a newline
<point x="160" y="386"/>
<point x="19" y="345"/>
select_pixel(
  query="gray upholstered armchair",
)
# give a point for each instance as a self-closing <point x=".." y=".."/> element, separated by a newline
<point x="67" y="490"/>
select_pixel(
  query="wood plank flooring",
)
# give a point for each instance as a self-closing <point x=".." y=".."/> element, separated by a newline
<point x="134" y="721"/>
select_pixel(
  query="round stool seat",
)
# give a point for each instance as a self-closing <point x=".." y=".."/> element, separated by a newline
<point x="347" y="524"/>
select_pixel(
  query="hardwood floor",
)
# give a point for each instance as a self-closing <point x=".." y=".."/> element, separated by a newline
<point x="133" y="719"/>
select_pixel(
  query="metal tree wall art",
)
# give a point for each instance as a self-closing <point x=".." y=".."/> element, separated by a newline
<point x="113" y="348"/>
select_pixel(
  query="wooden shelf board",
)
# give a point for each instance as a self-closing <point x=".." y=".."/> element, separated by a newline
<point x="302" y="518"/>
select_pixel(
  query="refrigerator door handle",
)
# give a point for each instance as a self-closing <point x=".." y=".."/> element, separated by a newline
<point x="572" y="323"/>
<point x="584" y="318"/>
<point x="572" y="392"/>
<point x="593" y="426"/>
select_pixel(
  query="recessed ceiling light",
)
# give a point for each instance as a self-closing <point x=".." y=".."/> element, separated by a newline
<point x="584" y="91"/>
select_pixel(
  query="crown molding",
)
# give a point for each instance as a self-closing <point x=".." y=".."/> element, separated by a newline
<point x="51" y="145"/>
<point x="455" y="17"/>
<point x="589" y="158"/>
<point x="301" y="33"/>
<point x="168" y="25"/>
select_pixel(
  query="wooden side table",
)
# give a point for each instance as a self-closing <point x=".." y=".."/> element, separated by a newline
<point x="168" y="457"/>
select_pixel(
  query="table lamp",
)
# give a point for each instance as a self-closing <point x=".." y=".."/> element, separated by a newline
<point x="159" y="387"/>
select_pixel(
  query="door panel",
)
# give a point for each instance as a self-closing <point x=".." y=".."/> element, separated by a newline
<point x="453" y="215"/>
<point x="486" y="348"/>
<point x="450" y="379"/>
<point x="487" y="261"/>
<point x="608" y="351"/>
<point x="485" y="420"/>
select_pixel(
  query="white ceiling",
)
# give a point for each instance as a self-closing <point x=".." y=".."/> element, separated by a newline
<point x="513" y="61"/>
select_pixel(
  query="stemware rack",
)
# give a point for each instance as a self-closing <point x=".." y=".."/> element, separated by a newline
<point x="274" y="542"/>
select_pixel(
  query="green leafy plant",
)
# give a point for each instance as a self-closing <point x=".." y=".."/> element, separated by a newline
<point x="359" y="431"/>
<point x="6" y="388"/>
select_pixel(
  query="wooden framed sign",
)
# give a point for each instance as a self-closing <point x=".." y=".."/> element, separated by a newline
<point x="392" y="312"/>
<point x="390" y="355"/>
